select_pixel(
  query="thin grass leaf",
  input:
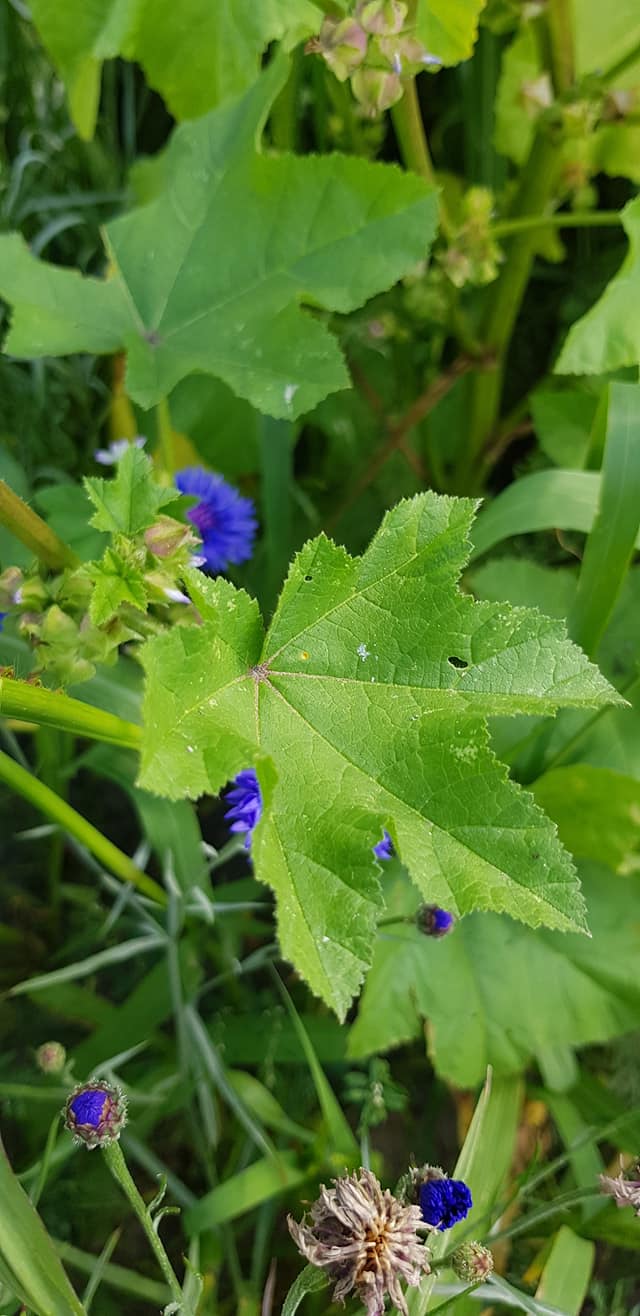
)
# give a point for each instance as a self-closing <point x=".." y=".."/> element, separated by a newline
<point x="28" y="1254"/>
<point x="99" y="1269"/>
<point x="547" y="500"/>
<point x="82" y="968"/>
<point x="615" y="530"/>
<point x="114" y="1276"/>
<point x="565" y="1278"/>
<point x="266" y="1178"/>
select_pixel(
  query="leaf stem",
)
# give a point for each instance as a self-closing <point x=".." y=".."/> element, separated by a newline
<point x="61" y="813"/>
<point x="33" y="532"/>
<point x="627" y="61"/>
<point x="504" y="228"/>
<point x="114" y="1158"/>
<point x="32" y="703"/>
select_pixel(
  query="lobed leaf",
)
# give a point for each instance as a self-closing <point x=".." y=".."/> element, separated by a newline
<point x="211" y="274"/>
<point x="363" y="708"/>
<point x="478" y="986"/>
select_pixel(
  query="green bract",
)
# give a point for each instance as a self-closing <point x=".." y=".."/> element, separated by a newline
<point x="210" y="275"/>
<point x="364" y="707"/>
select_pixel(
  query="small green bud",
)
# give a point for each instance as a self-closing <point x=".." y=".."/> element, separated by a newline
<point x="32" y="593"/>
<point x="382" y="17"/>
<point x="166" y="536"/>
<point x="342" y="44"/>
<point x="472" y="1262"/>
<point x="51" y="1057"/>
<point x="376" y="90"/>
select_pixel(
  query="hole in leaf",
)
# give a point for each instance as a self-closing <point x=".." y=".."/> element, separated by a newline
<point x="457" y="662"/>
<point x="308" y="577"/>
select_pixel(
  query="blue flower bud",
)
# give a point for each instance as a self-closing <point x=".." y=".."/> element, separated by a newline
<point x="444" y="1202"/>
<point x="434" y="921"/>
<point x="95" y="1113"/>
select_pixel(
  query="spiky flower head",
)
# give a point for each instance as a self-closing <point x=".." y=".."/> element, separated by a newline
<point x="225" y="520"/>
<point x="365" y="1239"/>
<point x="625" y="1192"/>
<point x="472" y="1262"/>
<point x="95" y="1113"/>
<point x="51" y="1057"/>
<point x="434" y="921"/>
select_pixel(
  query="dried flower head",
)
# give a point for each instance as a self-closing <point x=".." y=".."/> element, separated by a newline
<point x="365" y="1239"/>
<point x="95" y="1113"/>
<point x="625" y="1192"/>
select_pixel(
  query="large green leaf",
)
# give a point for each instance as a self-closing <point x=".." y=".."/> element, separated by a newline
<point x="378" y="673"/>
<point x="496" y="993"/>
<point x="597" y="812"/>
<point x="195" y="54"/>
<point x="210" y="275"/>
<point x="449" y="28"/>
<point x="608" y="336"/>
<point x="603" y="36"/>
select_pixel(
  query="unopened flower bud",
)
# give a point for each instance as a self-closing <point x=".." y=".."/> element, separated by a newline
<point x="434" y="921"/>
<point x="536" y="94"/>
<point x="95" y="1113"/>
<point x="382" y="17"/>
<point x="342" y="44"/>
<point x="472" y="1263"/>
<point x="51" y="1057"/>
<point x="166" y="536"/>
<point x="376" y="90"/>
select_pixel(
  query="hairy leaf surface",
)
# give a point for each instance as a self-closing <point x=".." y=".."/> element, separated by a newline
<point x="364" y="708"/>
<point x="211" y="274"/>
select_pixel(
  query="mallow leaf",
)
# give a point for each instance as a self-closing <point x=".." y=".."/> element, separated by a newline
<point x="364" y="708"/>
<point x="128" y="503"/>
<point x="448" y="28"/>
<point x="495" y="993"/>
<point x="211" y="274"/>
<point x="608" y="336"/>
<point x="196" y="54"/>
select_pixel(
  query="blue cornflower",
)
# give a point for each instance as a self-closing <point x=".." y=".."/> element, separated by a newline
<point x="245" y="798"/>
<point x="384" y="849"/>
<point x="444" y="1202"/>
<point x="225" y="520"/>
<point x="95" y="1113"/>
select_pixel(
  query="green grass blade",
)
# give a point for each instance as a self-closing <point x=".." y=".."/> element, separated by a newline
<point x="115" y="1277"/>
<point x="615" y="530"/>
<point x="97" y="1274"/>
<point x="114" y="955"/>
<point x="565" y="1278"/>
<point x="547" y="500"/>
<point x="244" y="1191"/>
<point x="49" y="708"/>
<point x="343" y="1139"/>
<point x="29" y="1254"/>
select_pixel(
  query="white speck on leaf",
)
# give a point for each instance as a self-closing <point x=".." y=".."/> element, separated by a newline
<point x="290" y="391"/>
<point x="363" y="652"/>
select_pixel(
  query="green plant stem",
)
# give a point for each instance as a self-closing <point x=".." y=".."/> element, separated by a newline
<point x="164" y="430"/>
<point x="627" y="62"/>
<point x="504" y="228"/>
<point x="120" y="1171"/>
<point x="412" y="141"/>
<point x="61" y="813"/>
<point x="33" y="532"/>
<point x="31" y="703"/>
<point x="504" y="305"/>
<point x="560" y="22"/>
